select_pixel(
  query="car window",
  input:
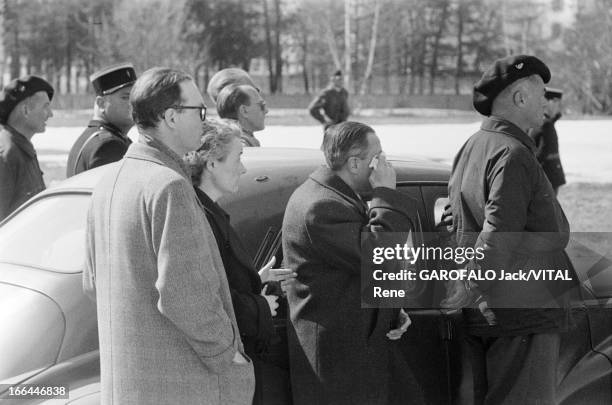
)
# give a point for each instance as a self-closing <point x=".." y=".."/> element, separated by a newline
<point x="439" y="209"/>
<point x="48" y="234"/>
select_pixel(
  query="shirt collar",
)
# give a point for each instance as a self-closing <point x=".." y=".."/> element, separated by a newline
<point x="21" y="141"/>
<point x="498" y="124"/>
<point x="153" y="149"/>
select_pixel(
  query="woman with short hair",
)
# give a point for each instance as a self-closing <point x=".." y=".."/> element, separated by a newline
<point x="216" y="168"/>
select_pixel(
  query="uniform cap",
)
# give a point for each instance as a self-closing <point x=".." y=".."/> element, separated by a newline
<point x="18" y="90"/>
<point x="552" y="93"/>
<point x="112" y="78"/>
<point x="503" y="73"/>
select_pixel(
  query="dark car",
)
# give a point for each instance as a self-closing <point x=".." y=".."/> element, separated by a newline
<point x="49" y="334"/>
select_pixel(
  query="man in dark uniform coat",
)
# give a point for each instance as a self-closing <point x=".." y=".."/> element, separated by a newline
<point x="339" y="352"/>
<point x="24" y="110"/>
<point x="503" y="204"/>
<point x="105" y="139"/>
<point x="333" y="101"/>
<point x="547" y="142"/>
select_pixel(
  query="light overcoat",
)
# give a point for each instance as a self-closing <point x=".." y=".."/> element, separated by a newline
<point x="167" y="328"/>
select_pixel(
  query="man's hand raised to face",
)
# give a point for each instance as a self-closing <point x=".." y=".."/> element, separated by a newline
<point x="383" y="174"/>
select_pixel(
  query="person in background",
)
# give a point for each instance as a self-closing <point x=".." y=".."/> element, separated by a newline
<point x="331" y="106"/>
<point x="25" y="107"/>
<point x="216" y="168"/>
<point x="167" y="329"/>
<point x="547" y="141"/>
<point x="105" y="138"/>
<point x="226" y="77"/>
<point x="244" y="104"/>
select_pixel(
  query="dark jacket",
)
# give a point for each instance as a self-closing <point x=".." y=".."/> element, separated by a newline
<point x="20" y="174"/>
<point x="503" y="203"/>
<point x="339" y="352"/>
<point x="547" y="151"/>
<point x="334" y="103"/>
<point x="101" y="143"/>
<point x="255" y="321"/>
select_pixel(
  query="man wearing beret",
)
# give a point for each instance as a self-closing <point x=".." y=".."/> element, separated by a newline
<point x="105" y="138"/>
<point x="503" y="204"/>
<point x="24" y="111"/>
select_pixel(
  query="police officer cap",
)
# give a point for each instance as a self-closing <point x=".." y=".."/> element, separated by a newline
<point x="551" y="93"/>
<point x="501" y="74"/>
<point x="112" y="78"/>
<point x="18" y="90"/>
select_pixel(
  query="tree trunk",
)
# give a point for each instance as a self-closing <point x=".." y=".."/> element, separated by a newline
<point x="347" y="44"/>
<point x="368" y="71"/>
<point x="278" y="73"/>
<point x="271" y="75"/>
<point x="459" y="66"/>
<point x="305" y="61"/>
<point x="433" y="67"/>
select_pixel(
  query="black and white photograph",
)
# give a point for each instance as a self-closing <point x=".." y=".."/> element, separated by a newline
<point x="306" y="202"/>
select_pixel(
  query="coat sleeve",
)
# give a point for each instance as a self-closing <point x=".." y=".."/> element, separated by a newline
<point x="188" y="284"/>
<point x="505" y="213"/>
<point x="253" y="315"/>
<point x="7" y="185"/>
<point x="315" y="108"/>
<point x="334" y="226"/>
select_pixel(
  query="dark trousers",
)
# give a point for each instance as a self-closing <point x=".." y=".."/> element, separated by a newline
<point x="519" y="370"/>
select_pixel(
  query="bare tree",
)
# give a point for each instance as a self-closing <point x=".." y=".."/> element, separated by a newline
<point x="368" y="72"/>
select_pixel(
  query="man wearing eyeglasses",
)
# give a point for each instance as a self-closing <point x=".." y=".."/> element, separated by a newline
<point x="244" y="104"/>
<point x="167" y="329"/>
<point x="105" y="138"/>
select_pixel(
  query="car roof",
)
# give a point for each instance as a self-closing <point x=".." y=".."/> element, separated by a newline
<point x="408" y="168"/>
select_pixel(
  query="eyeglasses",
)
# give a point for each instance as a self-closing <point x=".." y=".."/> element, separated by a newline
<point x="202" y="109"/>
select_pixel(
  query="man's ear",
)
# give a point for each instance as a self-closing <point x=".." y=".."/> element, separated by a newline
<point x="517" y="98"/>
<point x="100" y="102"/>
<point x="210" y="164"/>
<point x="352" y="164"/>
<point x="242" y="110"/>
<point x="169" y="117"/>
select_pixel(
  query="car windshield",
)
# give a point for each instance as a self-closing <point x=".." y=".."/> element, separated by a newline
<point x="48" y="234"/>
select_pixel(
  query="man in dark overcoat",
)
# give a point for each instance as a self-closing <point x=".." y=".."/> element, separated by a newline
<point x="503" y="204"/>
<point x="339" y="352"/>
<point x="105" y="139"/>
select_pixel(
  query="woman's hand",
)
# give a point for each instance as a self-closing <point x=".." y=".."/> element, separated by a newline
<point x="267" y="273"/>
<point x="272" y="300"/>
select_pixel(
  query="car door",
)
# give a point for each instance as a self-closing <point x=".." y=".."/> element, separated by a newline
<point x="429" y="345"/>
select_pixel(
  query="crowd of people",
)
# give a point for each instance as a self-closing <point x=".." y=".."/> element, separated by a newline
<point x="185" y="317"/>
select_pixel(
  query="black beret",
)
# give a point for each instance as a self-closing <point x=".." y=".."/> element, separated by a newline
<point x="553" y="93"/>
<point x="112" y="78"/>
<point x="501" y="74"/>
<point x="18" y="90"/>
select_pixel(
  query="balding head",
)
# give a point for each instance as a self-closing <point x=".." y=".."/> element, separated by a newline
<point x="227" y="77"/>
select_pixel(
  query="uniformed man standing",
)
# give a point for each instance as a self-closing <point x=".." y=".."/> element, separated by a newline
<point x="25" y="107"/>
<point x="105" y="139"/>
<point x="333" y="101"/>
<point x="547" y="141"/>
